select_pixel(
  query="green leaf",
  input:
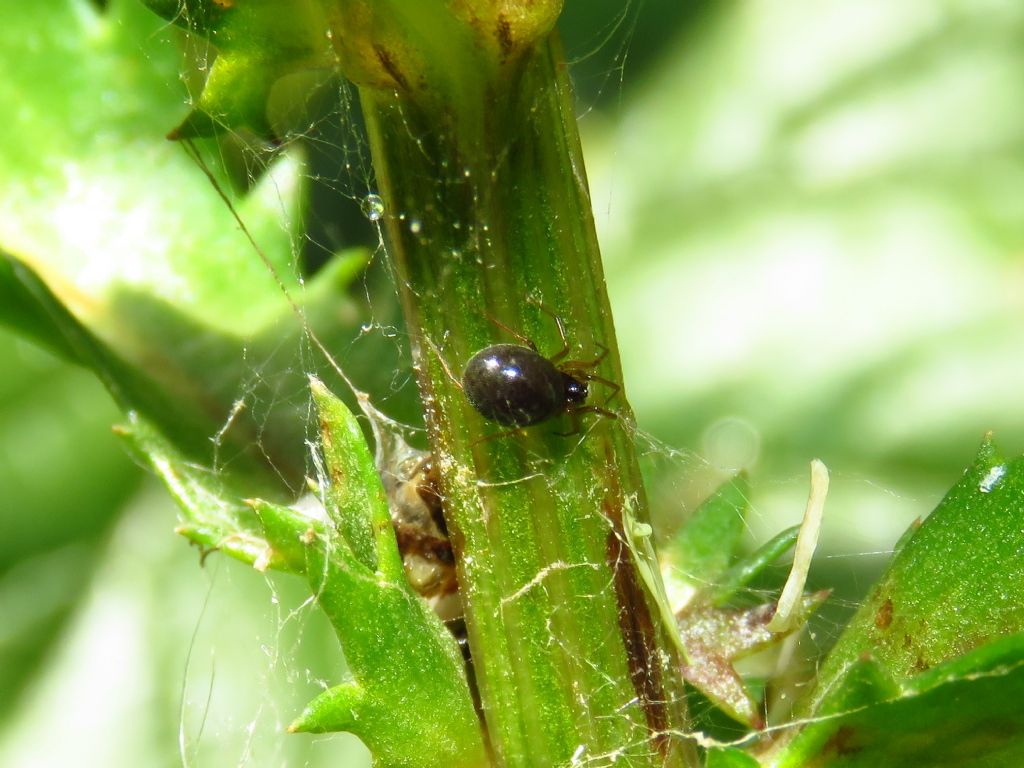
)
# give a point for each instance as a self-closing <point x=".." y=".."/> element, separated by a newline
<point x="260" y="44"/>
<point x="749" y="568"/>
<point x="250" y="531"/>
<point x="97" y="219"/>
<point x="131" y="387"/>
<point x="727" y="757"/>
<point x="866" y="682"/>
<point x="287" y="533"/>
<point x="955" y="584"/>
<point x="967" y="712"/>
<point x="409" y="700"/>
<point x="63" y="481"/>
<point x="126" y="258"/>
<point x="927" y="662"/>
<point x="29" y="314"/>
<point x="708" y="542"/>
<point x="354" y="494"/>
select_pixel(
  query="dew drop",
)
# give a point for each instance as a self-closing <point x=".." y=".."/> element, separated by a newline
<point x="415" y="226"/>
<point x="373" y="207"/>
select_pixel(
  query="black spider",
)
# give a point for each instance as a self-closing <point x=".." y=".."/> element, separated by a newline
<point x="515" y="385"/>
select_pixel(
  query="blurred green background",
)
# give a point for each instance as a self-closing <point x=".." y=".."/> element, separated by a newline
<point x="812" y="216"/>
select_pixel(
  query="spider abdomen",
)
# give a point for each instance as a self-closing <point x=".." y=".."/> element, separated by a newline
<point x="518" y="387"/>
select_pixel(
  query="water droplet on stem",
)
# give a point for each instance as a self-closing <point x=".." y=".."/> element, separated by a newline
<point x="373" y="207"/>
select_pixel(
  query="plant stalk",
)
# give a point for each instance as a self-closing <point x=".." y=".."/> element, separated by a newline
<point x="488" y="218"/>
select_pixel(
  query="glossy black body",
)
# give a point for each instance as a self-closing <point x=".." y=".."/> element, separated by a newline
<point x="516" y="386"/>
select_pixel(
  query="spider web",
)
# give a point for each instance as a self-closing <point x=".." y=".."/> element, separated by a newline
<point x="680" y="478"/>
<point x="786" y="279"/>
<point x="345" y="211"/>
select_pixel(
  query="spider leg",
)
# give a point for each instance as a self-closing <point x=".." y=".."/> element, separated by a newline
<point x="561" y="330"/>
<point x="574" y="415"/>
<point x="596" y="409"/>
<point x="584" y="365"/>
<point x="615" y="387"/>
<point x="576" y="428"/>
<point x="526" y="341"/>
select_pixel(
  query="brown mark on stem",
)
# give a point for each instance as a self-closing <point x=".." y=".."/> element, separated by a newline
<point x="504" y="33"/>
<point x="883" y="617"/>
<point x="327" y="445"/>
<point x="635" y="623"/>
<point x="384" y="57"/>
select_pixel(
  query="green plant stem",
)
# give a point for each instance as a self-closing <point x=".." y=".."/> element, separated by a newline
<point x="487" y="214"/>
